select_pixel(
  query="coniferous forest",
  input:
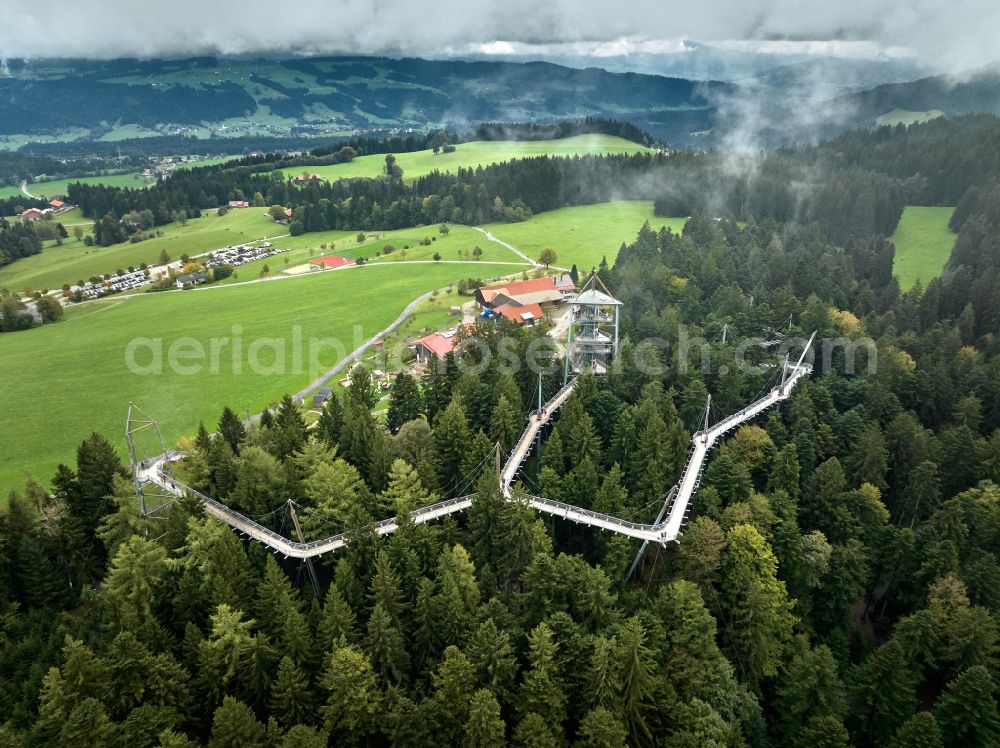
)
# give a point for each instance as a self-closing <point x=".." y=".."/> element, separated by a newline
<point x="836" y="584"/>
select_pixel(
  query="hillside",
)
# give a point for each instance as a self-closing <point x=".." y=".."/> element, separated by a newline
<point x="977" y="91"/>
<point x="239" y="99"/>
<point x="472" y="154"/>
<point x="321" y="95"/>
<point x="828" y="76"/>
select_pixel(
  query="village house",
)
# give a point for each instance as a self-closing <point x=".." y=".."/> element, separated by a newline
<point x="524" y="302"/>
<point x="527" y="315"/>
<point x="437" y="345"/>
<point x="31" y="215"/>
<point x="322" y="395"/>
<point x="191" y="279"/>
<point x="548" y="290"/>
<point x="239" y="204"/>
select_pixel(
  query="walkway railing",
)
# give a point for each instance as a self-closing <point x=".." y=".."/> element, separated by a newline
<point x="535" y="422"/>
<point x="281" y="544"/>
<point x="663" y="532"/>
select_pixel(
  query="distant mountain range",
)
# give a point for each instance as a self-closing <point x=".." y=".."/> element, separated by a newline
<point x="219" y="97"/>
<point x="831" y="76"/>
<point x="976" y="91"/>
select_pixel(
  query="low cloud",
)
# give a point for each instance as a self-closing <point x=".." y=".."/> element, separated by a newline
<point x="952" y="35"/>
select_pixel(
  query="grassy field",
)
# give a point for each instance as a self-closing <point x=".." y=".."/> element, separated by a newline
<point x="72" y="217"/>
<point x="75" y="261"/>
<point x="583" y="234"/>
<point x="469" y="155"/>
<point x="63" y="381"/>
<point x="923" y="244"/>
<point x="456" y="246"/>
<point x="13" y="142"/>
<point x="123" y="132"/>
<point x="57" y="187"/>
<point x="906" y="117"/>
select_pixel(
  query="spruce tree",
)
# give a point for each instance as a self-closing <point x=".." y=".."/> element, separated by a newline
<point x="330" y="420"/>
<point x="505" y="425"/>
<point x="338" y="621"/>
<point x="755" y="602"/>
<point x="231" y="429"/>
<point x="296" y="639"/>
<point x="290" y="695"/>
<point x="882" y="691"/>
<point x="275" y="599"/>
<point x="810" y="687"/>
<point x="405" y="492"/>
<point x="534" y="732"/>
<point x="97" y="464"/>
<point x="451" y="436"/>
<point x="289" y="432"/>
<point x="405" y="402"/>
<point x="386" y="647"/>
<point x="967" y="710"/>
<point x="454" y="681"/>
<point x="920" y="731"/>
<point x="484" y="728"/>
<point x="362" y="390"/>
<point x="88" y="724"/>
<point x="479" y="458"/>
<point x="541" y="692"/>
<point x="600" y="728"/>
<point x="823" y="731"/>
<point x="637" y="678"/>
<point x="353" y="698"/>
<point x="385" y="589"/>
<point x="492" y="656"/>
<point x="235" y="726"/>
<point x="426" y="637"/>
<point x="612" y="497"/>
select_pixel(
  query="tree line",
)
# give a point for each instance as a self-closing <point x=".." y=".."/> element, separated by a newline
<point x="831" y="185"/>
<point x="564" y="129"/>
<point x="845" y="203"/>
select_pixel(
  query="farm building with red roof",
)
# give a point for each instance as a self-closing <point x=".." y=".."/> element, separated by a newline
<point x="550" y="289"/>
<point x="437" y="344"/>
<point x="528" y="314"/>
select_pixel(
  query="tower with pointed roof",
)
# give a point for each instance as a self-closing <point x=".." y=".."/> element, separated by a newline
<point x="592" y="333"/>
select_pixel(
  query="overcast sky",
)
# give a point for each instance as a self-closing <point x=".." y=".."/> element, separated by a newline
<point x="950" y="34"/>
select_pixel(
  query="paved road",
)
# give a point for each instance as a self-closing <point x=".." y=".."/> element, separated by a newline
<point x="24" y="189"/>
<point x="359" y="351"/>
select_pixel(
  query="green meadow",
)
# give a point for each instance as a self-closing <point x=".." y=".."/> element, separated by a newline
<point x="470" y="155"/>
<point x="58" y="187"/>
<point x="906" y="117"/>
<point x="583" y="234"/>
<point x="69" y="219"/>
<point x="580" y="235"/>
<point x="76" y="261"/>
<point x="456" y="246"/>
<point x="923" y="244"/>
<point x="64" y="380"/>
